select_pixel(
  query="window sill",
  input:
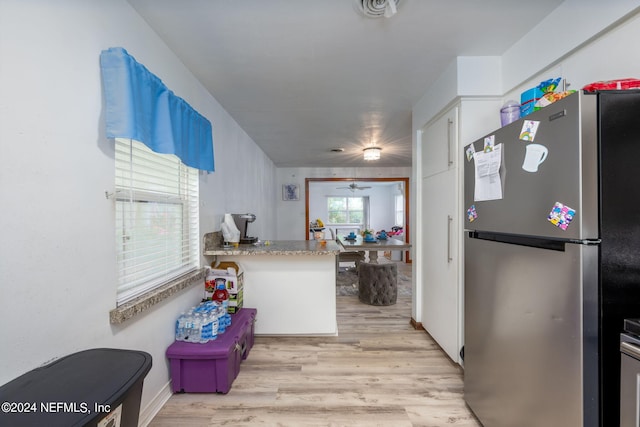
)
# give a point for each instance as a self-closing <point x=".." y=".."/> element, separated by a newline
<point x="144" y="302"/>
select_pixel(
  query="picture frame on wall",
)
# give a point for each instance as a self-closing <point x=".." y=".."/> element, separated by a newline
<point x="290" y="192"/>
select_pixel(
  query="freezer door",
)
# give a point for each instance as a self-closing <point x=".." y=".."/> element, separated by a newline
<point x="620" y="228"/>
<point x="531" y="334"/>
<point x="568" y="175"/>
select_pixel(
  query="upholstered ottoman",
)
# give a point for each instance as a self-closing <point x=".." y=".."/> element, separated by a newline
<point x="378" y="283"/>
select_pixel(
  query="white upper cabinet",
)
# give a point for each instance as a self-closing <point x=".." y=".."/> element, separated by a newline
<point x="439" y="144"/>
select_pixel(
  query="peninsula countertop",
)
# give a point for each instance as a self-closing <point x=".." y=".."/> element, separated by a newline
<point x="277" y="247"/>
<point x="280" y="270"/>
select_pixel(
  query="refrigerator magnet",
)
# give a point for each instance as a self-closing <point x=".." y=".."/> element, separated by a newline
<point x="529" y="130"/>
<point x="489" y="142"/>
<point x="534" y="155"/>
<point x="561" y="215"/>
<point x="471" y="150"/>
<point x="471" y="213"/>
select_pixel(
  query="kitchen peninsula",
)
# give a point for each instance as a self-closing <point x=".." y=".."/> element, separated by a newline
<point x="292" y="283"/>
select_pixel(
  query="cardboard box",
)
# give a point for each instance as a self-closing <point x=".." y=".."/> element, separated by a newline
<point x="232" y="277"/>
<point x="231" y="274"/>
<point x="236" y="301"/>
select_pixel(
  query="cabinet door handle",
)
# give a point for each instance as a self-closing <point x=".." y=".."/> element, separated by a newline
<point x="449" y="123"/>
<point x="449" y="220"/>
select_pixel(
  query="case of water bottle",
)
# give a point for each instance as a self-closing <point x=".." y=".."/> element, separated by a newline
<point x="214" y="365"/>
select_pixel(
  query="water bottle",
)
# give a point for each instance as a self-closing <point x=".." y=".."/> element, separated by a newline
<point x="191" y="328"/>
<point x="205" y="329"/>
<point x="210" y="314"/>
<point x="212" y="308"/>
<point x="180" y="326"/>
<point x="222" y="324"/>
<point x="197" y="328"/>
<point x="214" y="325"/>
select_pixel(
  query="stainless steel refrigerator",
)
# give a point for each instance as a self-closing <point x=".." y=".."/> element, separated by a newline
<point x="552" y="262"/>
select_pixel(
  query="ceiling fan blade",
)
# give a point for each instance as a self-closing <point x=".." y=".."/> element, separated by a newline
<point x="352" y="187"/>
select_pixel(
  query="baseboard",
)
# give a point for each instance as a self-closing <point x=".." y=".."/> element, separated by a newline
<point x="152" y="409"/>
<point x="417" y="325"/>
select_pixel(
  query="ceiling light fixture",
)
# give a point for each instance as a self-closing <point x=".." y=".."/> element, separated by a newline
<point x="372" y="153"/>
<point x="390" y="9"/>
<point x="377" y="8"/>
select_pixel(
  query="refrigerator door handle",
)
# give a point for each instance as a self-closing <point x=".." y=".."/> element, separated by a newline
<point x="585" y="241"/>
<point x="449" y="220"/>
<point x="630" y="349"/>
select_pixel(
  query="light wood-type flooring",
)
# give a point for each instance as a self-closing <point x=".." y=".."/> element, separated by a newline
<point x="378" y="371"/>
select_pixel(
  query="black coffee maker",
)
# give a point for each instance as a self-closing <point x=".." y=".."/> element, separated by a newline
<point x="242" y="222"/>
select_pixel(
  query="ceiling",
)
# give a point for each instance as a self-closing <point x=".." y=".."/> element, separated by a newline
<point x="302" y="77"/>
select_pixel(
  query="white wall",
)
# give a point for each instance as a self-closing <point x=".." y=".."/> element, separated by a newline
<point x="612" y="55"/>
<point x="57" y="252"/>
<point x="291" y="215"/>
<point x="575" y="25"/>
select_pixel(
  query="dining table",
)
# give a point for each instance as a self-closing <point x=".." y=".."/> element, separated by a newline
<point x="373" y="246"/>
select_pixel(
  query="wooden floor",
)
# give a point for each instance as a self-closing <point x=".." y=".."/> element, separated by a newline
<point x="379" y="371"/>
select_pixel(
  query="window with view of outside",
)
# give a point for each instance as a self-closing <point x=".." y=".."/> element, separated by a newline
<point x="345" y="210"/>
<point x="156" y="215"/>
<point x="399" y="210"/>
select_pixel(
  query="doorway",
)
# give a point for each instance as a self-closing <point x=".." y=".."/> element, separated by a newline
<point x="359" y="186"/>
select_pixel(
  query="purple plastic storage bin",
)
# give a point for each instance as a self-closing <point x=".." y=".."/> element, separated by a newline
<point x="212" y="367"/>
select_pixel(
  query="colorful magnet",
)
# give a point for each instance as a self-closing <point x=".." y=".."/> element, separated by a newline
<point x="529" y="130"/>
<point x="489" y="142"/>
<point x="471" y="213"/>
<point x="471" y="151"/>
<point x="561" y="215"/>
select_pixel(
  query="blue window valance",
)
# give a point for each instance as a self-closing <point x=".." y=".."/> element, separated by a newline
<point x="139" y="106"/>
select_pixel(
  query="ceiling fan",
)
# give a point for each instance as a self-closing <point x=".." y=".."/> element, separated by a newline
<point x="353" y="187"/>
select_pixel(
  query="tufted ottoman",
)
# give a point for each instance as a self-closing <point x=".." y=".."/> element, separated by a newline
<point x="377" y="283"/>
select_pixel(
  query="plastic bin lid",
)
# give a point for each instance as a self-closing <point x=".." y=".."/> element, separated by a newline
<point x="96" y="376"/>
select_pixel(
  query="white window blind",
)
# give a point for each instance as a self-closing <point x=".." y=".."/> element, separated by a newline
<point x="157" y="218"/>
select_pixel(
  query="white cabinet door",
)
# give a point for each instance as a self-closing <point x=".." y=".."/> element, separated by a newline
<point x="439" y="144"/>
<point x="440" y="263"/>
<point x="440" y="287"/>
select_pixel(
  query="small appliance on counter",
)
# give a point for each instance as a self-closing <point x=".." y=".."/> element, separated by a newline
<point x="242" y="222"/>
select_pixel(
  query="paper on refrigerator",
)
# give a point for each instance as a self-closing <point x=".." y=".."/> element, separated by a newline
<point x="488" y="183"/>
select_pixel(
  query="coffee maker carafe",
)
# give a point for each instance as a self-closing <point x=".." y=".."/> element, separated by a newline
<point x="242" y="222"/>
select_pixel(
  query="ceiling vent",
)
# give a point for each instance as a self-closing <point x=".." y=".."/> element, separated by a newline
<point x="377" y="8"/>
